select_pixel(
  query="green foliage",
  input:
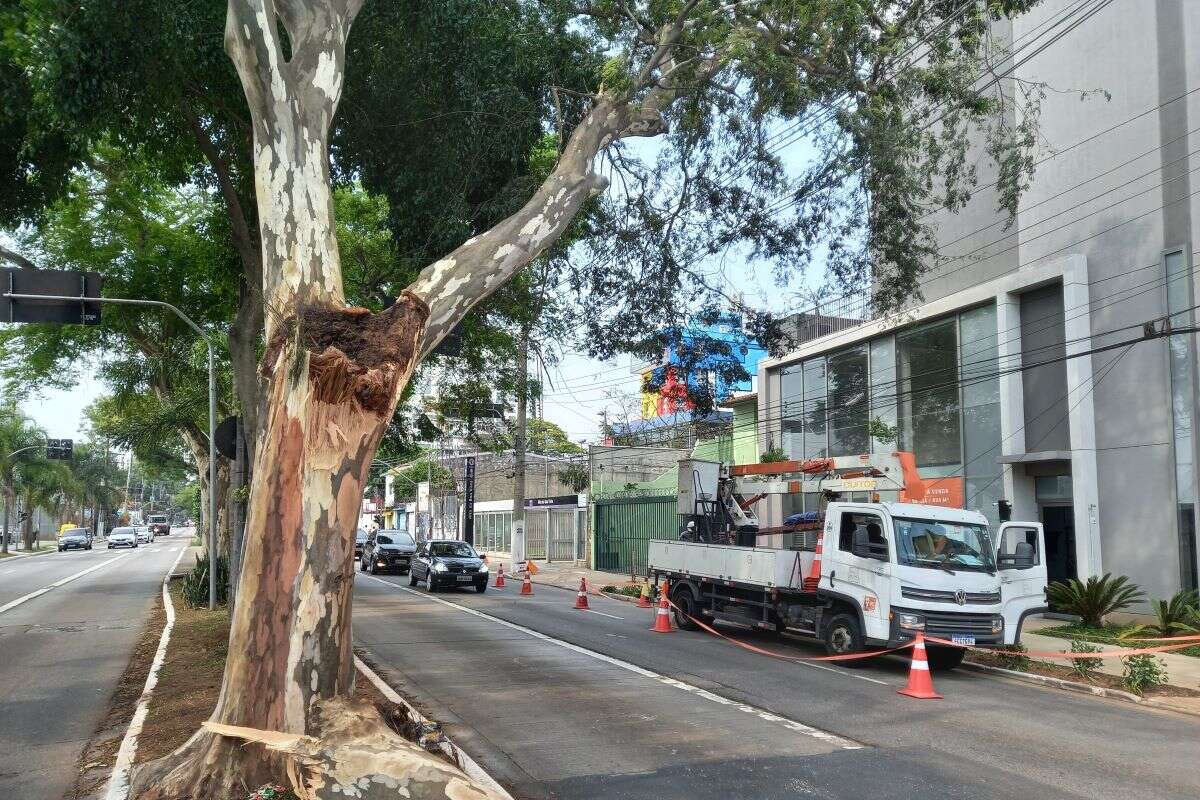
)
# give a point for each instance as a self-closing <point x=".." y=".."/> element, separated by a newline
<point x="1094" y="600"/>
<point x="405" y="483"/>
<point x="1013" y="657"/>
<point x="775" y="454"/>
<point x="576" y="476"/>
<point x="1143" y="672"/>
<point x="1084" y="667"/>
<point x="195" y="583"/>
<point x="881" y="432"/>
<point x="272" y="791"/>
<point x="1179" y="615"/>
<point x="188" y="498"/>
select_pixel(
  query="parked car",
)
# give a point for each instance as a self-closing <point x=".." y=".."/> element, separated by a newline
<point x="388" y="550"/>
<point x="360" y="539"/>
<point x="160" y="525"/>
<point x="144" y="535"/>
<point x="447" y="564"/>
<point x="75" y="539"/>
<point x="122" y="537"/>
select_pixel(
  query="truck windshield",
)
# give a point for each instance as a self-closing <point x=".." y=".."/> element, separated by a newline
<point x="944" y="545"/>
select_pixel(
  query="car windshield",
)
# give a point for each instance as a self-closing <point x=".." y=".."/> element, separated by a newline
<point x="75" y="535"/>
<point x="944" y="545"/>
<point x="158" y="519"/>
<point x="452" y="549"/>
<point x="123" y="532"/>
<point x="400" y="537"/>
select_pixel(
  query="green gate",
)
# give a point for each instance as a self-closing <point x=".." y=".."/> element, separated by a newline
<point x="623" y="527"/>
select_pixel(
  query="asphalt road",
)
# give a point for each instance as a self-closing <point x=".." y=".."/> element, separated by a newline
<point x="566" y="704"/>
<point x="68" y="624"/>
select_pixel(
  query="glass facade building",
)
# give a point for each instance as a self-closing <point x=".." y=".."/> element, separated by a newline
<point x="931" y="389"/>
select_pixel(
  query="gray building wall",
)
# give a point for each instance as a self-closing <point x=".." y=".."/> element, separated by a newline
<point x="1043" y="339"/>
<point x="1113" y="186"/>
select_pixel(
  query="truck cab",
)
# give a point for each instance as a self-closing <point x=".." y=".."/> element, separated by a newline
<point x="906" y="567"/>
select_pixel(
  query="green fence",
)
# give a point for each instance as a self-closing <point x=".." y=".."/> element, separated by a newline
<point x="623" y="527"/>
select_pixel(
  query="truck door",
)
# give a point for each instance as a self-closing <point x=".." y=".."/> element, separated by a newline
<point x="1021" y="564"/>
<point x="862" y="571"/>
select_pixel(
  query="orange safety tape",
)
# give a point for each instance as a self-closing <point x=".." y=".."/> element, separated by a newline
<point x="1057" y="654"/>
<point x="773" y="654"/>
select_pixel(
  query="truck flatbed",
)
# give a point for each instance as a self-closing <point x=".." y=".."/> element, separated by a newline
<point x="757" y="566"/>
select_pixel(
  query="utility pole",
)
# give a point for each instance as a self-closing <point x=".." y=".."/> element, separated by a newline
<point x="428" y="499"/>
<point x="518" y="512"/>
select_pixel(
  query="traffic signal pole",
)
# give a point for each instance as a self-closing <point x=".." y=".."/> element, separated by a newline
<point x="212" y="413"/>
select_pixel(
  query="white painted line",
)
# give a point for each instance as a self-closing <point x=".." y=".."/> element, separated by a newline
<point x="13" y="604"/>
<point x="118" y="784"/>
<point x="459" y="756"/>
<point x="601" y="613"/>
<point x="763" y="714"/>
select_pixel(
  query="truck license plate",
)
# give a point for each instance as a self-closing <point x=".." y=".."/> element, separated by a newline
<point x="968" y="641"/>
<point x="465" y="578"/>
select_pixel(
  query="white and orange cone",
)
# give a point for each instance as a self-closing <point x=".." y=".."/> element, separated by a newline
<point x="500" y="577"/>
<point x="581" y="602"/>
<point x="920" y="684"/>
<point x="526" y="586"/>
<point x="644" y="598"/>
<point x="662" y="617"/>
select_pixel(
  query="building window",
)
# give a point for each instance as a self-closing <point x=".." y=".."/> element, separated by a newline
<point x="883" y="390"/>
<point x="791" y="393"/>
<point x="815" y="409"/>
<point x="1182" y="358"/>
<point x="929" y="412"/>
<point x="848" y="407"/>
<point x="979" y="360"/>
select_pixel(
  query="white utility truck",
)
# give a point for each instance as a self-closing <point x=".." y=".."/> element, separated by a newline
<point x="870" y="574"/>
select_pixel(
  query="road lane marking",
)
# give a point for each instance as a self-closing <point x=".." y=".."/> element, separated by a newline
<point x="118" y="784"/>
<point x="763" y="714"/>
<point x="601" y="613"/>
<point x="56" y="584"/>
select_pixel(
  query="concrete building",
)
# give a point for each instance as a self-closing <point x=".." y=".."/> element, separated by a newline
<point x="1100" y="447"/>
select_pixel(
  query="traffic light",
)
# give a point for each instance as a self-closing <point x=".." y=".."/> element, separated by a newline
<point x="60" y="449"/>
<point x="1004" y="510"/>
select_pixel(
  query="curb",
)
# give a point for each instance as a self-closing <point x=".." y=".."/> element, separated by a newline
<point x="456" y="754"/>
<point x="1081" y="688"/>
<point x="118" y="784"/>
<point x="624" y="598"/>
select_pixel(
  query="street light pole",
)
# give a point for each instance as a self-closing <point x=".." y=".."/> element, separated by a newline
<point x="212" y="414"/>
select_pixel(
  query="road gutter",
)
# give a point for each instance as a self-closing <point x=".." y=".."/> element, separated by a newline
<point x="118" y="784"/>
<point x="456" y="754"/>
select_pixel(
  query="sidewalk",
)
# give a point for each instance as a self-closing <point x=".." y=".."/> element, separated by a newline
<point x="1181" y="670"/>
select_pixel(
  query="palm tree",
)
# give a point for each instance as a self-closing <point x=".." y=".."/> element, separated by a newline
<point x="44" y="484"/>
<point x="20" y="441"/>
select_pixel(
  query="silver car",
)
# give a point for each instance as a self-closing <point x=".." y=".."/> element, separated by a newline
<point x="122" y="537"/>
<point x="144" y="536"/>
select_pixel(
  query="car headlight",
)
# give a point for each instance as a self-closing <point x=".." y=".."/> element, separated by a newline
<point x="998" y="625"/>
<point x="438" y="566"/>
<point x="911" y="622"/>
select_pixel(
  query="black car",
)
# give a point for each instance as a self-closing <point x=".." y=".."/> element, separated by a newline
<point x="75" y="539"/>
<point x="447" y="564"/>
<point x="360" y="538"/>
<point x="387" y="550"/>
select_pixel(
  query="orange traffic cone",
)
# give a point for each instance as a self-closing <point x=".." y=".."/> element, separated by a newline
<point x="500" y="577"/>
<point x="920" y="684"/>
<point x="644" y="599"/>
<point x="662" y="617"/>
<point x="581" y="598"/>
<point x="527" y="586"/>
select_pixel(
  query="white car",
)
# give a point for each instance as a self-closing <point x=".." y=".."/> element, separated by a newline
<point x="122" y="537"/>
<point x="144" y="536"/>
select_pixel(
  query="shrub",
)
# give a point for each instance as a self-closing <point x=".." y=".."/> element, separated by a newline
<point x="1013" y="657"/>
<point x="1177" y="615"/>
<point x="1094" y="600"/>
<point x="195" y="583"/>
<point x="272" y="791"/>
<point x="1143" y="672"/>
<point x="1084" y="667"/>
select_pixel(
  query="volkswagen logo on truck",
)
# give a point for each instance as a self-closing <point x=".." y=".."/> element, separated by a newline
<point x="960" y="597"/>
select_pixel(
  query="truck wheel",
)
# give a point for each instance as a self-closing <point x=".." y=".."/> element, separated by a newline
<point x="685" y="608"/>
<point x="843" y="635"/>
<point x="944" y="659"/>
